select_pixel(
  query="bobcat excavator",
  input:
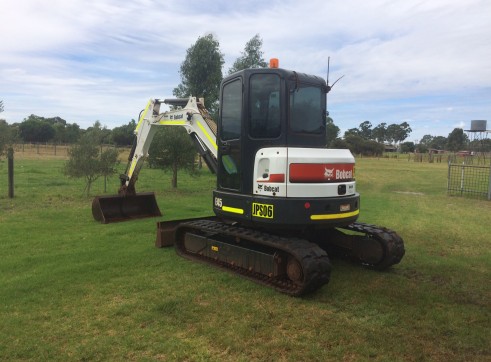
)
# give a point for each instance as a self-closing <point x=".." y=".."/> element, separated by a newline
<point x="283" y="201"/>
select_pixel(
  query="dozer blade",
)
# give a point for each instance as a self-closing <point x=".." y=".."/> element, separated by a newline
<point x="114" y="208"/>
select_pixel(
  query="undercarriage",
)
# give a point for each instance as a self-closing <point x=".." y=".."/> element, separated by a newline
<point x="296" y="264"/>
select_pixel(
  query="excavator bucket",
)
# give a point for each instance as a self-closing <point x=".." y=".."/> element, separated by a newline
<point x="114" y="208"/>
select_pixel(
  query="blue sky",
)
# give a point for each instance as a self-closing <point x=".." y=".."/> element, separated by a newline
<point x="427" y="63"/>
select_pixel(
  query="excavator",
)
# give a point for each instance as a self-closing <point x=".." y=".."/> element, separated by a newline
<point x="283" y="201"/>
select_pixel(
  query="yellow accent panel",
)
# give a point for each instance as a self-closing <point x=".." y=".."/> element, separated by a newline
<point x="142" y="117"/>
<point x="172" y="123"/>
<point x="233" y="210"/>
<point x="132" y="167"/>
<point x="211" y="139"/>
<point x="334" y="216"/>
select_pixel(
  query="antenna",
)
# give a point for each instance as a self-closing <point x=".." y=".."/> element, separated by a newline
<point x="328" y="61"/>
<point x="327" y="80"/>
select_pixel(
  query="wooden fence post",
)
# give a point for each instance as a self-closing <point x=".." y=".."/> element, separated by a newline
<point x="10" y="156"/>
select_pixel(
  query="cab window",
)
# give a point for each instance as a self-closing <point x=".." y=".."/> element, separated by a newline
<point x="231" y="110"/>
<point x="306" y="110"/>
<point x="264" y="106"/>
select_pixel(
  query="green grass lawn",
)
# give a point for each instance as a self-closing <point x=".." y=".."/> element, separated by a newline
<point x="73" y="289"/>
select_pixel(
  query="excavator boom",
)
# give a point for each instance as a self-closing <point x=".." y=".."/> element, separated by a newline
<point x="129" y="205"/>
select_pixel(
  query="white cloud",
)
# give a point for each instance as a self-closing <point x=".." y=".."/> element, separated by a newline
<point x="102" y="59"/>
<point x="460" y="124"/>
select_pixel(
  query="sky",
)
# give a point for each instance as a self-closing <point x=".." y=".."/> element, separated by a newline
<point x="424" y="62"/>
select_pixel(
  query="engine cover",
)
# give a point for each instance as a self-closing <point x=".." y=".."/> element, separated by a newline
<point x="303" y="172"/>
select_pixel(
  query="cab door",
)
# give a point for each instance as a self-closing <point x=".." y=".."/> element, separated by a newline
<point x="229" y="140"/>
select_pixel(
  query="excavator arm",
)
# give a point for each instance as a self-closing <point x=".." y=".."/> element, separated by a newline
<point x="188" y="113"/>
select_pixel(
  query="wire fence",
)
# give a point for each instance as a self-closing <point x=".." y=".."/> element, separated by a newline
<point x="469" y="180"/>
<point x="56" y="151"/>
<point x="42" y="149"/>
<point x="469" y="159"/>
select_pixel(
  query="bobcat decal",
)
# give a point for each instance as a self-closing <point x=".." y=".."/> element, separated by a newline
<point x="328" y="173"/>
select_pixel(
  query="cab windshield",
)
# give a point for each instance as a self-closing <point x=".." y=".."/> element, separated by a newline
<point x="306" y="110"/>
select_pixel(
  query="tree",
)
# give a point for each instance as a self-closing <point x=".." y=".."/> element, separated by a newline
<point x="72" y="133"/>
<point x="108" y="162"/>
<point x="172" y="149"/>
<point x="39" y="129"/>
<point x="59" y="136"/>
<point x="372" y="148"/>
<point x="86" y="160"/>
<point x="396" y="133"/>
<point x="424" y="143"/>
<point x="332" y="131"/>
<point x="352" y="132"/>
<point x="99" y="134"/>
<point x="456" y="140"/>
<point x="391" y="133"/>
<point x="124" y="135"/>
<point x="6" y="136"/>
<point x="4" y="132"/>
<point x="339" y="143"/>
<point x="252" y="56"/>
<point x="402" y="132"/>
<point x="407" y="147"/>
<point x="483" y="145"/>
<point x="379" y="133"/>
<point x="359" y="145"/>
<point x="355" y="143"/>
<point x="426" y="140"/>
<point x="366" y="130"/>
<point x="66" y="132"/>
<point x="36" y="129"/>
<point x="438" y="142"/>
<point x="201" y="72"/>
<point x="55" y="121"/>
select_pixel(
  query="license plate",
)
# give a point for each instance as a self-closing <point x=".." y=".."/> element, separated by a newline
<point x="262" y="210"/>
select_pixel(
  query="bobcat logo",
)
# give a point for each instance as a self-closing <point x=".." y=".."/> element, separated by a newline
<point x="328" y="173"/>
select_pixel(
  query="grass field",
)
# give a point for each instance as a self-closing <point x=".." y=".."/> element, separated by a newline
<point x="73" y="289"/>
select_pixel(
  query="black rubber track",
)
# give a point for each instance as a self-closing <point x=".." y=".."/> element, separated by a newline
<point x="314" y="261"/>
<point x="391" y="242"/>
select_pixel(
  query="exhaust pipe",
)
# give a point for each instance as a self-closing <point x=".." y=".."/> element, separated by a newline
<point x="115" y="208"/>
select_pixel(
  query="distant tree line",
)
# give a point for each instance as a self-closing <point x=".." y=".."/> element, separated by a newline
<point x="37" y="129"/>
<point x="366" y="140"/>
<point x="372" y="141"/>
<point x="457" y="140"/>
